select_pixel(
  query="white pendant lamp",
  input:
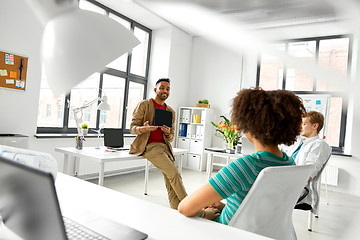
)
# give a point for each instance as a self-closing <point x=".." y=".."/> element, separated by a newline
<point x="76" y="43"/>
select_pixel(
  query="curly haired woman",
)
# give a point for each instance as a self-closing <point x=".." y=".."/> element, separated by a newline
<point x="268" y="118"/>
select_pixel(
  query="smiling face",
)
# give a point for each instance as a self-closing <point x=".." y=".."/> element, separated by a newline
<point x="308" y="129"/>
<point x="162" y="90"/>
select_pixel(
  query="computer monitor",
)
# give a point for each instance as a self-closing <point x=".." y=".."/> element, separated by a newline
<point x="113" y="137"/>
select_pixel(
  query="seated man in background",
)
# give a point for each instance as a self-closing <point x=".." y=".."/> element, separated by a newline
<point x="153" y="142"/>
<point x="310" y="149"/>
<point x="268" y="118"/>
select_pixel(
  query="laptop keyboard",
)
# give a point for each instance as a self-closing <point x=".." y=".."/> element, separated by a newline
<point x="76" y="231"/>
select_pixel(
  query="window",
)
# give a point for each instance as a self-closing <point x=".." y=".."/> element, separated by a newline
<point x="123" y="81"/>
<point x="48" y="111"/>
<point x="333" y="53"/>
<point x="271" y="71"/>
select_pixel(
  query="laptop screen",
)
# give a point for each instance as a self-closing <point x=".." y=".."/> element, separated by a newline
<point x="30" y="209"/>
<point x="113" y="137"/>
<point x="28" y="202"/>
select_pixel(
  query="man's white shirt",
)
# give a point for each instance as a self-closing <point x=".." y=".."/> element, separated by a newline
<point x="313" y="151"/>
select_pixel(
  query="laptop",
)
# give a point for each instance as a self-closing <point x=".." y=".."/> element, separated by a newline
<point x="162" y="117"/>
<point x="114" y="139"/>
<point x="30" y="210"/>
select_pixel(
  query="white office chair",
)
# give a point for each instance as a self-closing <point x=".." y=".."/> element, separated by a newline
<point x="313" y="196"/>
<point x="268" y="206"/>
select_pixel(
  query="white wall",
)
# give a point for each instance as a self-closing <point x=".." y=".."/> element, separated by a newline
<point x="20" y="34"/>
<point x="159" y="57"/>
<point x="215" y="75"/>
<point x="179" y="68"/>
<point x="171" y="57"/>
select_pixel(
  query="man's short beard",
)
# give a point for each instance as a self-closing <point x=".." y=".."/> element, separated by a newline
<point x="161" y="96"/>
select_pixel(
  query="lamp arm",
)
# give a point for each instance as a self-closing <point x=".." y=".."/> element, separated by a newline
<point x="88" y="104"/>
<point x="78" y="110"/>
<point x="78" y="119"/>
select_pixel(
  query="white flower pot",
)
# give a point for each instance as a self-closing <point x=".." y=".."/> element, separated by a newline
<point x="84" y="131"/>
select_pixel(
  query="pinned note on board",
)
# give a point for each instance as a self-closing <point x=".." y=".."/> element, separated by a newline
<point x="3" y="72"/>
<point x="9" y="59"/>
<point x="10" y="81"/>
<point x="13" y="71"/>
<point x="20" y="84"/>
<point x="12" y="74"/>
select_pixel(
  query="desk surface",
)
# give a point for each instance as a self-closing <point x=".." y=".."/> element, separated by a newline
<point x="224" y="154"/>
<point x="157" y="221"/>
<point x="105" y="156"/>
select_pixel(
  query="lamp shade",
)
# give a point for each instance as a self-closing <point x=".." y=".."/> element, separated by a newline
<point x="104" y="105"/>
<point x="78" y="43"/>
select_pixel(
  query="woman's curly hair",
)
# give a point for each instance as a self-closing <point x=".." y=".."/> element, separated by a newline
<point x="272" y="117"/>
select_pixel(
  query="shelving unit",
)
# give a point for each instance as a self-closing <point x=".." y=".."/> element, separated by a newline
<point x="194" y="132"/>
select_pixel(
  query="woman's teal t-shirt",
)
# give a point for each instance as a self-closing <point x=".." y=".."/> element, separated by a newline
<point x="234" y="181"/>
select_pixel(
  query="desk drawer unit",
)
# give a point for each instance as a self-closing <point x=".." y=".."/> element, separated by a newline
<point x="196" y="146"/>
<point x="193" y="161"/>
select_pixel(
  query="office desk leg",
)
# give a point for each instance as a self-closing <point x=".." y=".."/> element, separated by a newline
<point x="227" y="160"/>
<point x="209" y="164"/>
<point x="76" y="166"/>
<point x="65" y="165"/>
<point x="101" y="174"/>
<point x="146" y="176"/>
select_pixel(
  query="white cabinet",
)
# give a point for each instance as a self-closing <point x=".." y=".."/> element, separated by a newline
<point x="14" y="140"/>
<point x="194" y="132"/>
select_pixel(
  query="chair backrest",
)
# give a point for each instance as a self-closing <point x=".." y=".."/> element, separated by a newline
<point x="314" y="187"/>
<point x="268" y="206"/>
<point x="318" y="174"/>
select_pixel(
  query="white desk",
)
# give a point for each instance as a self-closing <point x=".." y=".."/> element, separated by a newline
<point x="159" y="222"/>
<point x="101" y="156"/>
<point x="212" y="154"/>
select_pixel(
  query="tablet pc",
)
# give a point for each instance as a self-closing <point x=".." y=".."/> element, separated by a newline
<point x="162" y="117"/>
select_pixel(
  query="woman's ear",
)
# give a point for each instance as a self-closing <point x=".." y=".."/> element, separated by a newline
<point x="249" y="136"/>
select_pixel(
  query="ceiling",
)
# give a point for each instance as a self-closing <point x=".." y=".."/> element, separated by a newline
<point x="265" y="13"/>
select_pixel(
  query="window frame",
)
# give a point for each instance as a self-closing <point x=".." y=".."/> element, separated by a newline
<point x="129" y="77"/>
<point x="345" y="99"/>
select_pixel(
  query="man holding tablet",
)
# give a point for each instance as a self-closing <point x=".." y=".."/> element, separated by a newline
<point x="153" y="142"/>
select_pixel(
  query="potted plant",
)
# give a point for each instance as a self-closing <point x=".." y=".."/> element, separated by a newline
<point x="84" y="129"/>
<point x="203" y="103"/>
<point x="227" y="131"/>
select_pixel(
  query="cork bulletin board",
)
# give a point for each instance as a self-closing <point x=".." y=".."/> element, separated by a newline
<point x="13" y="70"/>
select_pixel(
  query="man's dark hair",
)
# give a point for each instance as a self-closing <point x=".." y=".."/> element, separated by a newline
<point x="162" y="80"/>
<point x="272" y="117"/>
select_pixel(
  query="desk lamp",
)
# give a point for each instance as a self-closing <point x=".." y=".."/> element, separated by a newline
<point x="76" y="43"/>
<point x="103" y="105"/>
